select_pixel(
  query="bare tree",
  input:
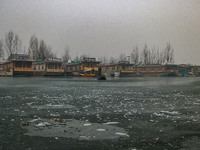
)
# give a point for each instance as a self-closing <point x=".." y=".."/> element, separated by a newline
<point x="83" y="56"/>
<point x="135" y="55"/>
<point x="145" y="55"/>
<point x="153" y="56"/>
<point x="49" y="53"/>
<point x="122" y="57"/>
<point x="1" y="50"/>
<point x="66" y="54"/>
<point x="113" y="60"/>
<point x="34" y="47"/>
<point x="169" y="54"/>
<point x="105" y="60"/>
<point x="39" y="50"/>
<point x="44" y="51"/>
<point x="13" y="43"/>
<point x="17" y="46"/>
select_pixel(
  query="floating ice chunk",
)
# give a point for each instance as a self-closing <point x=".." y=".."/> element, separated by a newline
<point x="87" y="124"/>
<point x="41" y="124"/>
<point x="170" y="113"/>
<point x="34" y="120"/>
<point x="55" y="115"/>
<point x="29" y="104"/>
<point x="54" y="105"/>
<point x="101" y="130"/>
<point x="109" y="123"/>
<point x="8" y="97"/>
<point x="196" y="103"/>
<point x="158" y="114"/>
<point x="47" y="124"/>
<point x="119" y="133"/>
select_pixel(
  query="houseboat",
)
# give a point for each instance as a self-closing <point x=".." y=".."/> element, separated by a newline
<point x="122" y="69"/>
<point x="17" y="65"/>
<point x="154" y="70"/>
<point x="49" y="67"/>
<point x="182" y="70"/>
<point x="87" y="67"/>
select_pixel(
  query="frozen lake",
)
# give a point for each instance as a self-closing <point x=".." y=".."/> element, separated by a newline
<point x="83" y="113"/>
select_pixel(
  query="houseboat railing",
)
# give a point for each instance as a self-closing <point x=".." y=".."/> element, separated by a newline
<point x="23" y="69"/>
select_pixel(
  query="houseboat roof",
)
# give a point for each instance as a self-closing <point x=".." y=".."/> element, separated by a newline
<point x="53" y="60"/>
<point x="19" y="57"/>
<point x="71" y="63"/>
<point x="117" y="64"/>
<point x="148" y="65"/>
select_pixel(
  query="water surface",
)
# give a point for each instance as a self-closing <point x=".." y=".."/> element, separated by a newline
<point x="156" y="113"/>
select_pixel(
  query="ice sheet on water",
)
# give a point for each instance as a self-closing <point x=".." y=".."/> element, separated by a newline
<point x="111" y="123"/>
<point x="9" y="97"/>
<point x="158" y="114"/>
<point x="41" y="124"/>
<point x="55" y="114"/>
<point x="29" y="104"/>
<point x="170" y="112"/>
<point x="34" y="120"/>
<point x="74" y="129"/>
<point x="87" y="124"/>
<point x="119" y="133"/>
<point x="101" y="130"/>
<point x="57" y="106"/>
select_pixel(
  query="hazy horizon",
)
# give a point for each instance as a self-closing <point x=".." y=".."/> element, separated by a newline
<point x="106" y="27"/>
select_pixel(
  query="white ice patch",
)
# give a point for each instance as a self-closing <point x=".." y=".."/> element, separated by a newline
<point x="101" y="130"/>
<point x="41" y="124"/>
<point x="34" y="120"/>
<point x="87" y="124"/>
<point x="158" y="114"/>
<point x="170" y="113"/>
<point x="110" y="123"/>
<point x="119" y="133"/>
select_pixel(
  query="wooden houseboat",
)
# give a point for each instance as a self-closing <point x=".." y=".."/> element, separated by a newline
<point x="154" y="70"/>
<point x="17" y="65"/>
<point x="182" y="70"/>
<point x="122" y="69"/>
<point x="49" y="67"/>
<point x="88" y="67"/>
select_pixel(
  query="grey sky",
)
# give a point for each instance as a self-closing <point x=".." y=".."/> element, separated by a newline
<point x="107" y="27"/>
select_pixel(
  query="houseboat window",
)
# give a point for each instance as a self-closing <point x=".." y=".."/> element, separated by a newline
<point x="28" y="64"/>
<point x="18" y="64"/>
<point x="160" y="69"/>
<point x="143" y="69"/>
<point x="52" y="66"/>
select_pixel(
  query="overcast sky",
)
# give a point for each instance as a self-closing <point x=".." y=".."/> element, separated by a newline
<point x="106" y="27"/>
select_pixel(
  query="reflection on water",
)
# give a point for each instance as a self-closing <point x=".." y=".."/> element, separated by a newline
<point x="155" y="113"/>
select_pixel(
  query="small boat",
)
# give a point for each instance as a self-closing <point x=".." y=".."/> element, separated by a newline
<point x="88" y="73"/>
<point x="100" y="76"/>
